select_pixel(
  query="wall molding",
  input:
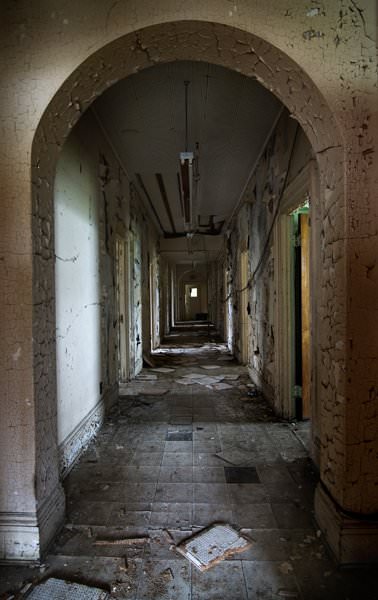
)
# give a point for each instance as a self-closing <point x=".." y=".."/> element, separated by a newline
<point x="352" y="540"/>
<point x="79" y="439"/>
<point x="24" y="536"/>
<point x="19" y="537"/>
<point x="51" y="514"/>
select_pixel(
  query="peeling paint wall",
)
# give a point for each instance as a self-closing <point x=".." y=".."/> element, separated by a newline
<point x="91" y="204"/>
<point x="286" y="155"/>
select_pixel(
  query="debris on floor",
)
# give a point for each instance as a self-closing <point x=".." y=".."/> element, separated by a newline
<point x="194" y="376"/>
<point x="220" y="386"/>
<point x="210" y="367"/>
<point x="207" y="548"/>
<point x="184" y="381"/>
<point x="59" y="589"/>
<point x="143" y="376"/>
<point x="121" y="541"/>
<point x="163" y="370"/>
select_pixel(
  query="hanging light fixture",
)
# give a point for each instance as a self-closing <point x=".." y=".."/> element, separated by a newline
<point x="186" y="166"/>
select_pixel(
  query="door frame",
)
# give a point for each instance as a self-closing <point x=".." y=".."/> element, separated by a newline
<point x="244" y="321"/>
<point x="301" y="188"/>
<point x="123" y="307"/>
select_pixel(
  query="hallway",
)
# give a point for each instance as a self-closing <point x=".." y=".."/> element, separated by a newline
<point x="181" y="450"/>
<point x="188" y="266"/>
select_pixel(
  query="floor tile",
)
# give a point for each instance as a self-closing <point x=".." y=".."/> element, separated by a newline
<point x="225" y="580"/>
<point x="254" y="516"/>
<point x="172" y="474"/>
<point x="290" y="516"/>
<point x="144" y="459"/>
<point x="209" y="475"/>
<point x="165" y="579"/>
<point x="178" y="447"/>
<point x="174" y="515"/>
<point x="266" y="580"/>
<point x="241" y="475"/>
<point x="179" y="459"/>
<point x="247" y="493"/>
<point x="205" y="514"/>
<point x="211" y="493"/>
<point x="174" y="492"/>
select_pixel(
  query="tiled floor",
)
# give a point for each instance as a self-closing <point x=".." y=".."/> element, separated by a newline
<point x="165" y="466"/>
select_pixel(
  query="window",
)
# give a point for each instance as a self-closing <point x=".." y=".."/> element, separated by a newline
<point x="193" y="292"/>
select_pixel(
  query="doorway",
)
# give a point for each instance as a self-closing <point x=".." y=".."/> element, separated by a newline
<point x="244" y="321"/>
<point x="122" y="316"/>
<point x="192" y="301"/>
<point x="301" y="283"/>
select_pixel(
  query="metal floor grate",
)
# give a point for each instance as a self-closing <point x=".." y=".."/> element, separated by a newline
<point x="58" y="589"/>
<point x="212" y="545"/>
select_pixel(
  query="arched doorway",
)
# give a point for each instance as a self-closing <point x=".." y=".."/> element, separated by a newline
<point x="238" y="50"/>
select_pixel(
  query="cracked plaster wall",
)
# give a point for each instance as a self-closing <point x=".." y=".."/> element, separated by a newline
<point x="322" y="65"/>
<point x="91" y="208"/>
<point x="286" y="154"/>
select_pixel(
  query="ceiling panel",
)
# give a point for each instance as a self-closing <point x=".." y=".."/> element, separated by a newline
<point x="229" y="117"/>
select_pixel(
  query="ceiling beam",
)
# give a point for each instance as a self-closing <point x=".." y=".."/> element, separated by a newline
<point x="164" y="196"/>
<point x="149" y="200"/>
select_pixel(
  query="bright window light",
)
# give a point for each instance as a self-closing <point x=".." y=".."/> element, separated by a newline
<point x="193" y="292"/>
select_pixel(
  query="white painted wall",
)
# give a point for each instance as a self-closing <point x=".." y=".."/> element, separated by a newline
<point x="77" y="280"/>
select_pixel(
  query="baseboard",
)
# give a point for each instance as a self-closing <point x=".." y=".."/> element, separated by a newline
<point x="51" y="514"/>
<point x="19" y="537"/>
<point x="78" y="440"/>
<point x="352" y="540"/>
<point x="24" y="536"/>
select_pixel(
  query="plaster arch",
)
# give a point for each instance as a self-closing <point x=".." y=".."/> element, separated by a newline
<point x="184" y="40"/>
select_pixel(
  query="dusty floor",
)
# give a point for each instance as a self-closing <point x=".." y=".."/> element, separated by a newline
<point x="163" y="467"/>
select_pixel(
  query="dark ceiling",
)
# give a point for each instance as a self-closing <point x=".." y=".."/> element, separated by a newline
<point x="229" y="118"/>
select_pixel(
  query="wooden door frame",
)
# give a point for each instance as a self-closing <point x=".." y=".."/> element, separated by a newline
<point x="244" y="321"/>
<point x="123" y="307"/>
<point x="302" y="187"/>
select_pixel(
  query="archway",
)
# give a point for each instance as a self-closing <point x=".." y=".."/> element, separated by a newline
<point x="221" y="45"/>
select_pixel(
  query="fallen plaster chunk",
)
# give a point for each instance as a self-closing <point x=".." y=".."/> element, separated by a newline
<point x="221" y="386"/>
<point x="210" y="546"/>
<point x="163" y="370"/>
<point x="194" y="376"/>
<point x="207" y="380"/>
<point x="184" y="381"/>
<point x="146" y="377"/>
<point x="59" y="589"/>
<point x="210" y="367"/>
<point x="121" y="541"/>
<point x="231" y="377"/>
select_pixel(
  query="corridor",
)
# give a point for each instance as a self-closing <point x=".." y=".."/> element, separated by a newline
<point x="189" y="280"/>
<point x="190" y="444"/>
